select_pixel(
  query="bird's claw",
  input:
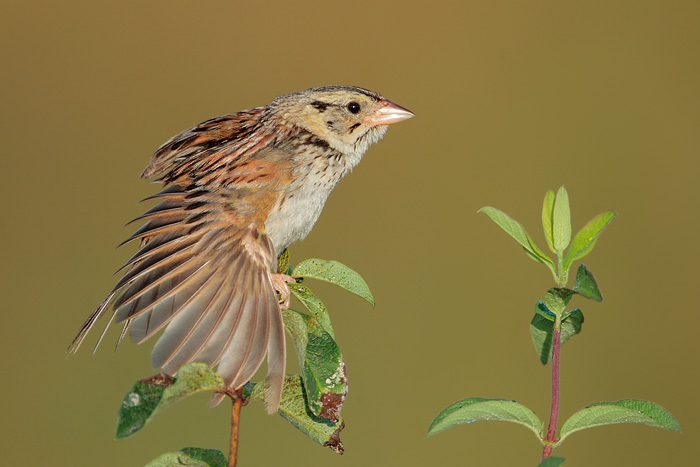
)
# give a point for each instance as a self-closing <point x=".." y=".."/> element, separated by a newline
<point x="279" y="282"/>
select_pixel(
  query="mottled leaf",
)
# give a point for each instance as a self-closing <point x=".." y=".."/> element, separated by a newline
<point x="139" y="404"/>
<point x="335" y="273"/>
<point x="478" y="408"/>
<point x="622" y="411"/>
<point x="153" y="395"/>
<point x="548" y="219"/>
<point x="542" y="326"/>
<point x="314" y="305"/>
<point x="295" y="410"/>
<point x="586" y="285"/>
<point x="585" y="239"/>
<point x="212" y="457"/>
<point x="192" y="457"/>
<point x="321" y="363"/>
<point x="561" y="223"/>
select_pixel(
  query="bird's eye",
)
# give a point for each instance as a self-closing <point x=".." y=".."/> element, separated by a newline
<point x="353" y="107"/>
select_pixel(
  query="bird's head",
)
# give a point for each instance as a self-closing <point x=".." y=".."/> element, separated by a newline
<point x="348" y="118"/>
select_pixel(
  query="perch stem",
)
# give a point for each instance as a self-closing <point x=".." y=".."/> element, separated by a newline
<point x="237" y="403"/>
<point x="554" y="413"/>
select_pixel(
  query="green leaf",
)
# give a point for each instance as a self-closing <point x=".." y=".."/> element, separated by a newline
<point x="542" y="326"/>
<point x="585" y="239"/>
<point x="193" y="457"/>
<point x="478" y="408"/>
<point x="140" y="403"/>
<point x="548" y="218"/>
<point x="321" y="362"/>
<point x="542" y="310"/>
<point x="541" y="334"/>
<point x="247" y="390"/>
<point x="586" y="285"/>
<point x="153" y="395"/>
<point x="212" y="457"/>
<point x="314" y="305"/>
<point x="539" y="255"/>
<point x="517" y="231"/>
<point x="335" y="273"/>
<point x="622" y="411"/>
<point x="294" y="409"/>
<point x="552" y="461"/>
<point x="283" y="262"/>
<point x="557" y="298"/>
<point x="509" y="225"/>
<point x="561" y="224"/>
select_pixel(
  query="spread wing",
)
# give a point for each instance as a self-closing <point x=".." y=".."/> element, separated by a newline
<point x="204" y="271"/>
<point x="204" y="267"/>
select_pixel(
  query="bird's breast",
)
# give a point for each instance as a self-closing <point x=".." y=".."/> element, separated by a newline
<point x="300" y="204"/>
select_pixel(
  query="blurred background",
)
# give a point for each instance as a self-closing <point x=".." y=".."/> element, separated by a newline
<point x="511" y="98"/>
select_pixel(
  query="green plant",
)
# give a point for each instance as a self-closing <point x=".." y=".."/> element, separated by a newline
<point x="311" y="401"/>
<point x="550" y="327"/>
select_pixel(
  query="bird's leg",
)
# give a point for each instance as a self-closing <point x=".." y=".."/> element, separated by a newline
<point x="279" y="282"/>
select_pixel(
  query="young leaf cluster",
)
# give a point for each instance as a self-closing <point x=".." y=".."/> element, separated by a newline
<point x="556" y="223"/>
<point x="551" y="313"/>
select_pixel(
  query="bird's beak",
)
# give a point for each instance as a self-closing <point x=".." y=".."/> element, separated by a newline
<point x="389" y="113"/>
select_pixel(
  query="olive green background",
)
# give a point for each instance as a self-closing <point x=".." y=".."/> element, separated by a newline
<point x="511" y="98"/>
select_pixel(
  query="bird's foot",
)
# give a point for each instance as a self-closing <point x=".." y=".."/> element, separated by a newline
<point x="279" y="282"/>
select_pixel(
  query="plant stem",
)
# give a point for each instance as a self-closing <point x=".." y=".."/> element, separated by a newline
<point x="235" y="420"/>
<point x="554" y="413"/>
<point x="561" y="274"/>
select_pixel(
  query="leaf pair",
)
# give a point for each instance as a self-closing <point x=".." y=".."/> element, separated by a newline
<point x="555" y="302"/>
<point x="542" y="326"/>
<point x="601" y="413"/>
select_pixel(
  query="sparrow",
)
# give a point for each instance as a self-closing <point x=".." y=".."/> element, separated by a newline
<point x="238" y="190"/>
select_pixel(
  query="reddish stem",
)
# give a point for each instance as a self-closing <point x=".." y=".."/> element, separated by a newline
<point x="554" y="413"/>
<point x="235" y="420"/>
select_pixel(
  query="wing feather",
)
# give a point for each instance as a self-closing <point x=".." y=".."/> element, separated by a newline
<point x="203" y="268"/>
<point x="195" y="323"/>
<point x="202" y="272"/>
<point x="276" y="360"/>
<point x="149" y="316"/>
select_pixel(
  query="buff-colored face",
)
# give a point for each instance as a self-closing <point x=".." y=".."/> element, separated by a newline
<point x="348" y="118"/>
